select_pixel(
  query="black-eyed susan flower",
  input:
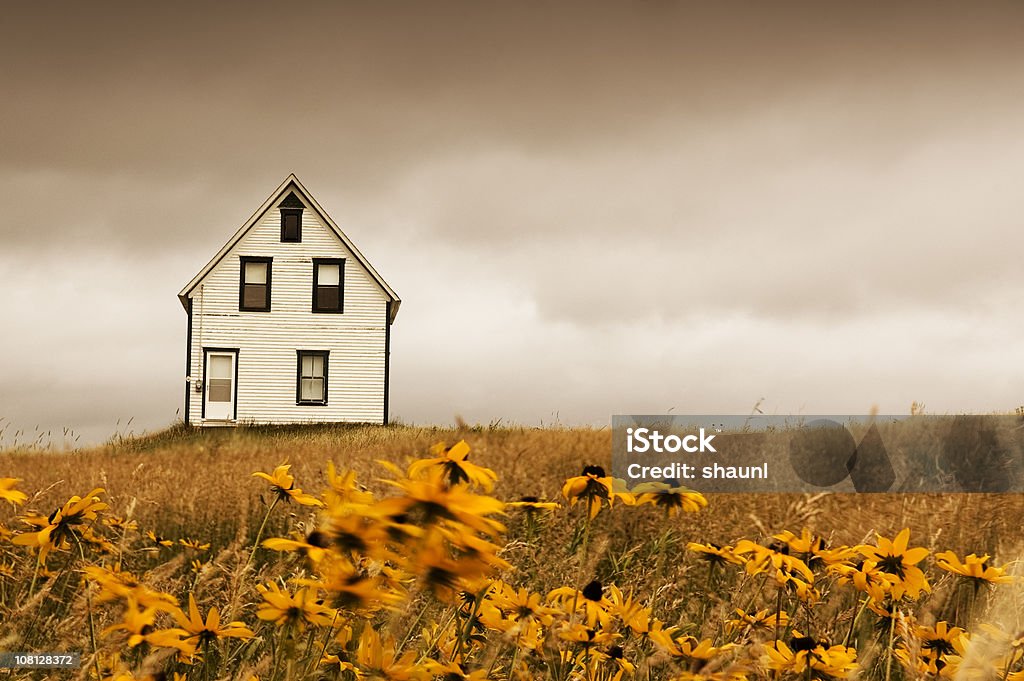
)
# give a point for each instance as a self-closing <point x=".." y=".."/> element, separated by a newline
<point x="157" y="540"/>
<point x="194" y="544"/>
<point x="595" y="607"/>
<point x="353" y="588"/>
<point x="455" y="466"/>
<point x="894" y="557"/>
<point x="63" y="525"/>
<point x="762" y="620"/>
<point x="592" y="487"/>
<point x="805" y="655"/>
<point x="344" y="493"/>
<point x="297" y="610"/>
<point x="120" y="524"/>
<point x="715" y="554"/>
<point x="430" y="502"/>
<point x="973" y="568"/>
<point x="117" y="584"/>
<point x="685" y="647"/>
<point x="378" y="659"/>
<point x="631" y="613"/>
<point x="670" y="497"/>
<point x="202" y="631"/>
<point x="9" y="494"/>
<point x="305" y="547"/>
<point x="865" y="576"/>
<point x="520" y="604"/>
<point x="774" y="559"/>
<point x="282" y="484"/>
<point x="585" y="636"/>
<point x="930" y="650"/>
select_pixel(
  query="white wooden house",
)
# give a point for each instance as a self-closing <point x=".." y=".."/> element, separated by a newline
<point x="288" y="323"/>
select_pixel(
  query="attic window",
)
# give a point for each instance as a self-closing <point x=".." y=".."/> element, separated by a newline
<point x="291" y="225"/>
<point x="291" y="219"/>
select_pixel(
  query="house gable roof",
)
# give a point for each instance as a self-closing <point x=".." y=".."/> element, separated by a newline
<point x="291" y="186"/>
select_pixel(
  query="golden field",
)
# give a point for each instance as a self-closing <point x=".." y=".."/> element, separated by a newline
<point x="417" y="570"/>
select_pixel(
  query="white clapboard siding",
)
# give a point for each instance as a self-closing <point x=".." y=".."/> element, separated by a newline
<point x="267" y="341"/>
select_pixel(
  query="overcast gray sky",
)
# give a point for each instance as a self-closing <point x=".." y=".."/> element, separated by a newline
<point x="588" y="208"/>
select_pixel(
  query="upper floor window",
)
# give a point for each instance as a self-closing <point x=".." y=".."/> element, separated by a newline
<point x="254" y="287"/>
<point x="291" y="219"/>
<point x="328" y="284"/>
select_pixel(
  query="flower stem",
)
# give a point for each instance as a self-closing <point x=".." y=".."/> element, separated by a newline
<point x="263" y="526"/>
<point x="88" y="603"/>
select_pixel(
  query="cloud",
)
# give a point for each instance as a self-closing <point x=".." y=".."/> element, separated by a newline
<point x="587" y="207"/>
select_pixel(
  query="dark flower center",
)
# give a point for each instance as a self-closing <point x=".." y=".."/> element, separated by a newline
<point x="893" y="565"/>
<point x="593" y="591"/>
<point x="799" y="643"/>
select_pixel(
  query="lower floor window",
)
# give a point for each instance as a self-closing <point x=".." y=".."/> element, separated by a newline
<point x="311" y="384"/>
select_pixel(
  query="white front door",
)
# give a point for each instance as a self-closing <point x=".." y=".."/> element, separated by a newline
<point x="220" y="389"/>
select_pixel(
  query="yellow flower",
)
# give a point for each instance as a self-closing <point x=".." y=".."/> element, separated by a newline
<point x="378" y="659"/>
<point x="974" y="568"/>
<point x="456" y="467"/>
<point x="867" y="577"/>
<point x="283" y="608"/>
<point x="158" y="540"/>
<point x="64" y="524"/>
<point x="777" y="558"/>
<point x="807" y="655"/>
<point x="352" y="588"/>
<point x="686" y="647"/>
<point x="282" y="483"/>
<point x="672" y="499"/>
<point x="591" y="486"/>
<point x="193" y="544"/>
<point x="200" y="632"/>
<point x="8" y="493"/>
<point x="432" y="502"/>
<point x="520" y="604"/>
<point x="344" y="492"/>
<point x="894" y="558"/>
<point x="629" y="612"/>
<point x="713" y="553"/>
<point x="596" y="608"/>
<point x="764" y="620"/>
<point x="119" y="584"/>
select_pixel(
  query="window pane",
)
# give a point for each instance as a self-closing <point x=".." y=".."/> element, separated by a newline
<point x="291" y="227"/>
<point x="307" y="366"/>
<point x="255" y="273"/>
<point x="312" y="389"/>
<point x="220" y="366"/>
<point x="318" y="366"/>
<point x="255" y="295"/>
<point x="327" y="298"/>
<point x="220" y="390"/>
<point x="328" y="275"/>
